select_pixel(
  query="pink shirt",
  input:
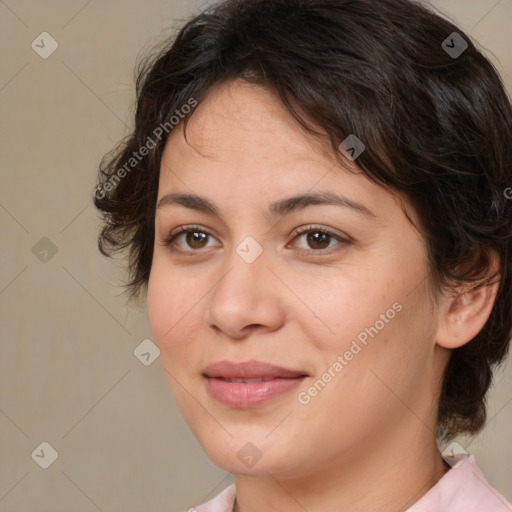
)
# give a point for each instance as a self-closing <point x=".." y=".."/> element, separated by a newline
<point x="462" y="489"/>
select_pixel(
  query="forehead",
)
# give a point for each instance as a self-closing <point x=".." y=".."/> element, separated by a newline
<point x="241" y="137"/>
<point x="236" y="117"/>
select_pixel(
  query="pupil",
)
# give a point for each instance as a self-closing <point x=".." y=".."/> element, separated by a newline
<point x="192" y="238"/>
<point x="319" y="238"/>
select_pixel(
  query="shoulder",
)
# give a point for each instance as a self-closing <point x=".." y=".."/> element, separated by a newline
<point x="462" y="489"/>
<point x="223" y="502"/>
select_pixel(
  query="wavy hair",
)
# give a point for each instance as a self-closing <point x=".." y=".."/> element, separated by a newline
<point x="434" y="117"/>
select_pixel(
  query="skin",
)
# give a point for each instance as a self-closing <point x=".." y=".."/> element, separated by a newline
<point x="366" y="441"/>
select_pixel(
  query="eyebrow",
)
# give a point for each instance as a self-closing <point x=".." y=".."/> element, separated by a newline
<point x="278" y="208"/>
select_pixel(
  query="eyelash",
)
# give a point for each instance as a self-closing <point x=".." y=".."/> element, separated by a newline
<point x="169" y="240"/>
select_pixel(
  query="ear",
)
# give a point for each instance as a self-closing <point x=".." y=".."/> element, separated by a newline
<point x="463" y="315"/>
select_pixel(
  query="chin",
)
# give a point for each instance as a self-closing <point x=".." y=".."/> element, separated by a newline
<point x="241" y="456"/>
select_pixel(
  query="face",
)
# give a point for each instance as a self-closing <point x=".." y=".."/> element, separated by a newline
<point x="335" y="292"/>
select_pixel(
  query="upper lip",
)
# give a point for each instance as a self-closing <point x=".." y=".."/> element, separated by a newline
<point x="249" y="370"/>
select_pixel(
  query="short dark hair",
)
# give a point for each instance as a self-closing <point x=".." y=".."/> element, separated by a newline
<point x="437" y="126"/>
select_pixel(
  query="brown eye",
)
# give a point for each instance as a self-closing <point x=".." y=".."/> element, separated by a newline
<point x="319" y="240"/>
<point x="194" y="238"/>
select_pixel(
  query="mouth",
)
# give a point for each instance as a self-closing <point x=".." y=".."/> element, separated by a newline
<point x="255" y="379"/>
<point x="249" y="384"/>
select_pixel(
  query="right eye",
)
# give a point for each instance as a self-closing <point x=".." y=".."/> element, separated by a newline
<point x="193" y="236"/>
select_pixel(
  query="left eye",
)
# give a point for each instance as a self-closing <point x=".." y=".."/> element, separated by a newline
<point x="318" y="239"/>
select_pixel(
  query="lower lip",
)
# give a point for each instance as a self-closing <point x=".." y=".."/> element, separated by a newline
<point x="249" y="394"/>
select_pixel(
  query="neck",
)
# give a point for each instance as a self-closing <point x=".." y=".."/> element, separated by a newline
<point x="386" y="477"/>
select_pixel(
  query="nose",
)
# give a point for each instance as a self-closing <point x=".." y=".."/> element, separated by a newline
<point x="246" y="298"/>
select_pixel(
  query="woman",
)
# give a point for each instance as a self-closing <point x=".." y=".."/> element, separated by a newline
<point x="314" y="200"/>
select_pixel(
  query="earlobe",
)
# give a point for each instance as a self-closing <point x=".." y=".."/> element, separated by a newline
<point x="464" y="315"/>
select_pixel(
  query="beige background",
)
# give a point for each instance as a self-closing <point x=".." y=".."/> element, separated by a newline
<point x="68" y="373"/>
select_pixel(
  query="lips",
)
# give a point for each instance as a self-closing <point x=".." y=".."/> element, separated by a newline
<point x="250" y="370"/>
<point x="249" y="384"/>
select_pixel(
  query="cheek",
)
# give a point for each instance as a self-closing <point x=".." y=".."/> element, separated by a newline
<point x="373" y="321"/>
<point x="166" y="307"/>
<point x="341" y="309"/>
<point x="158" y="306"/>
<point x="173" y="311"/>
